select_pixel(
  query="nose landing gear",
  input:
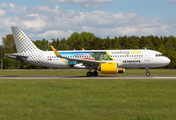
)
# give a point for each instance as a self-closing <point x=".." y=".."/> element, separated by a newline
<point x="147" y="72"/>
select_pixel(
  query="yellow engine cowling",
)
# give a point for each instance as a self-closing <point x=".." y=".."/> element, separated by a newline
<point x="110" y="68"/>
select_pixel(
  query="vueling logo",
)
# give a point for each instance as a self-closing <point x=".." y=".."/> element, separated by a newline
<point x="135" y="52"/>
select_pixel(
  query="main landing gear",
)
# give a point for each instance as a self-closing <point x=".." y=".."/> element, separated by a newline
<point x="89" y="74"/>
<point x="147" y="72"/>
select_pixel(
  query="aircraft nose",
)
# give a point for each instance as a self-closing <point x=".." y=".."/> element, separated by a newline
<point x="167" y="61"/>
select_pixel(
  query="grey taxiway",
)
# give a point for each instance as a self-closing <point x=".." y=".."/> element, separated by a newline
<point x="85" y="77"/>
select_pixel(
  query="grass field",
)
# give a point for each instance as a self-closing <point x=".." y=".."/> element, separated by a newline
<point x="66" y="72"/>
<point x="88" y="99"/>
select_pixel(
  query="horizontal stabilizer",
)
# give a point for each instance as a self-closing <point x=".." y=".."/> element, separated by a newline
<point x="17" y="56"/>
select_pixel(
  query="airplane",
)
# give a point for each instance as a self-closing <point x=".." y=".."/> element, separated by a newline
<point x="106" y="61"/>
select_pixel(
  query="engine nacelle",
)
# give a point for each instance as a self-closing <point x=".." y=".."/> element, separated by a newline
<point x="110" y="68"/>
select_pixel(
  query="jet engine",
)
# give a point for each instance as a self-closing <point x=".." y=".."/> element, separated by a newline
<point x="110" y="68"/>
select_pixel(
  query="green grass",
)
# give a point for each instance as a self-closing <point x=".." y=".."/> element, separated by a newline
<point x="88" y="99"/>
<point x="66" y="72"/>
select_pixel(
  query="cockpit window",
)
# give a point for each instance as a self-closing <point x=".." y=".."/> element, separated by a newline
<point x="159" y="55"/>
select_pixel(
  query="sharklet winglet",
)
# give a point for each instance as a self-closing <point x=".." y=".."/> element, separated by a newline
<point x="54" y="50"/>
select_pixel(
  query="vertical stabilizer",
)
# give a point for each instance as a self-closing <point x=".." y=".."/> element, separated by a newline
<point x="26" y="49"/>
<point x="22" y="42"/>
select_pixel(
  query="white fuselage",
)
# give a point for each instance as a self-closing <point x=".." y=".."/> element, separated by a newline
<point x="124" y="58"/>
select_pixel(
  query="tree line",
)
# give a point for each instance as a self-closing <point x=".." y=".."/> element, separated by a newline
<point x="164" y="44"/>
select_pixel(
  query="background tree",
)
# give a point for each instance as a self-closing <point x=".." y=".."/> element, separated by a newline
<point x="2" y="56"/>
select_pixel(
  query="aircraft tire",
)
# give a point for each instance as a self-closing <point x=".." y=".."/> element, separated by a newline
<point x="89" y="74"/>
<point x="95" y="73"/>
<point x="147" y="74"/>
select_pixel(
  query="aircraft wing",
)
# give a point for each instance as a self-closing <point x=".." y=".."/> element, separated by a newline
<point x="81" y="60"/>
<point x="76" y="59"/>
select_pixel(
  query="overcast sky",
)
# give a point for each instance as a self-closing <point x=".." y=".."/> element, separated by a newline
<point x="60" y="18"/>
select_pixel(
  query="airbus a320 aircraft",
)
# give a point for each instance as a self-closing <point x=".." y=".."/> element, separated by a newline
<point x="106" y="61"/>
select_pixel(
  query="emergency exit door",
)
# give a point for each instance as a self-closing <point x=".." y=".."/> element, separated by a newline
<point x="147" y="56"/>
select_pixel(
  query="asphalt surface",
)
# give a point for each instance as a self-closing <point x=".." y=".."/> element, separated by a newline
<point x="85" y="77"/>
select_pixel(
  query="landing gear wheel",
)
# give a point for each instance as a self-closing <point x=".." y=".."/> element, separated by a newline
<point x="89" y="74"/>
<point x="95" y="73"/>
<point x="147" y="74"/>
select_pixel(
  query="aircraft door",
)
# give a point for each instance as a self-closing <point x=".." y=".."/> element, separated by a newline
<point x="147" y="56"/>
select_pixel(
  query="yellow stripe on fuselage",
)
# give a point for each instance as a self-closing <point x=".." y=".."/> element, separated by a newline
<point x="110" y="55"/>
<point x="65" y="62"/>
<point x="57" y="54"/>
